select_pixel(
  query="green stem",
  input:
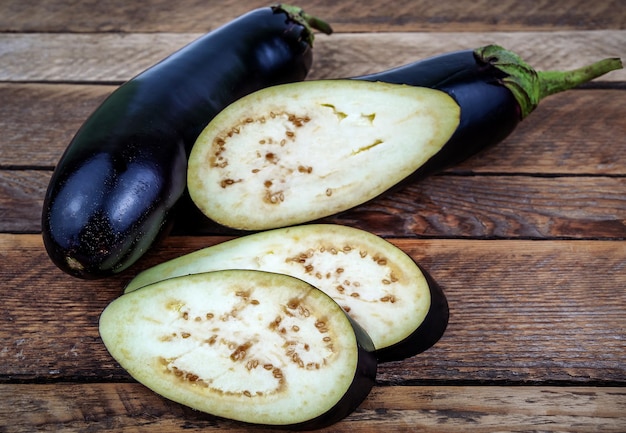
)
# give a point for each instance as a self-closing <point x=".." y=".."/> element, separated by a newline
<point x="309" y="22"/>
<point x="558" y="81"/>
<point x="530" y="86"/>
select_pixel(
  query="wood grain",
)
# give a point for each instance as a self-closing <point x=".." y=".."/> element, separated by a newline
<point x="576" y="132"/>
<point x="345" y="16"/>
<point x="526" y="239"/>
<point x="116" y="57"/>
<point x="133" y="408"/>
<point x="521" y="312"/>
<point x="439" y="206"/>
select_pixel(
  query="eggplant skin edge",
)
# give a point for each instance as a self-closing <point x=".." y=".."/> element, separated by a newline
<point x="428" y="333"/>
<point x="113" y="193"/>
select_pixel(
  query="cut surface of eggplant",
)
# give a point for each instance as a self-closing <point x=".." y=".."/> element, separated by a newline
<point x="246" y="345"/>
<point x="297" y="152"/>
<point x="397" y="303"/>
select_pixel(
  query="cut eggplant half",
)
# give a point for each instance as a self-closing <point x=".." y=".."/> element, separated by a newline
<point x="298" y="152"/>
<point x="398" y="304"/>
<point x="250" y="346"/>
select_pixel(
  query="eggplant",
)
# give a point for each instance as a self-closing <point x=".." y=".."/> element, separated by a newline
<point x="398" y="304"/>
<point x="294" y="153"/>
<point x="299" y="152"/>
<point x="251" y="346"/>
<point x="495" y="88"/>
<point x="113" y="192"/>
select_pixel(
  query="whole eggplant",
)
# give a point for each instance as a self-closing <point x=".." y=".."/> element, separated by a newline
<point x="112" y="193"/>
<point x="495" y="89"/>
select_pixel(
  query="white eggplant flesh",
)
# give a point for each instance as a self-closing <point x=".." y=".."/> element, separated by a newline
<point x="250" y="346"/>
<point x="398" y="304"/>
<point x="294" y="153"/>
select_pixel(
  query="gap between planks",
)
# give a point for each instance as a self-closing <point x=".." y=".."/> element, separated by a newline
<point x="131" y="407"/>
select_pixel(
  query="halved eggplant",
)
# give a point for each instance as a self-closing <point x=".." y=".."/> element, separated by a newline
<point x="246" y="345"/>
<point x="398" y="304"/>
<point x="292" y="154"/>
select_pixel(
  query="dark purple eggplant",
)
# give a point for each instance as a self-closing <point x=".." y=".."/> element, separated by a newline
<point x="495" y="89"/>
<point x="112" y="193"/>
<point x="304" y="151"/>
<point x="247" y="345"/>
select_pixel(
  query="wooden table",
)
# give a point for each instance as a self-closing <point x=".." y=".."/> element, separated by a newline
<point x="527" y="238"/>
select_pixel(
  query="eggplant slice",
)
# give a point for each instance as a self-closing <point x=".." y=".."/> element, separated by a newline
<point x="251" y="346"/>
<point x="298" y="152"/>
<point x="398" y="304"/>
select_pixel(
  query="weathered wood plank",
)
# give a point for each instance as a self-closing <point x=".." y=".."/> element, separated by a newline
<point x="21" y="200"/>
<point x="118" y="57"/>
<point x="345" y="16"/>
<point x="439" y="206"/>
<point x="577" y="132"/>
<point x="131" y="407"/>
<point x="39" y="120"/>
<point x="498" y="207"/>
<point x="521" y="312"/>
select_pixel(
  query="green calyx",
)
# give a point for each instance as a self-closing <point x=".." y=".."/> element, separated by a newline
<point x="309" y="22"/>
<point x="530" y="86"/>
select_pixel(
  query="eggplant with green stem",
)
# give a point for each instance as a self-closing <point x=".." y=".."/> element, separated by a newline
<point x="113" y="192"/>
<point x="300" y="152"/>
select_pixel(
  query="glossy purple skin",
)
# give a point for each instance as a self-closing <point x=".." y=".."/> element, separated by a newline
<point x="112" y="193"/>
<point x="489" y="111"/>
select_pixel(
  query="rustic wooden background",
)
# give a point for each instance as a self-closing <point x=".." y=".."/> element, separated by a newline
<point x="527" y="239"/>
